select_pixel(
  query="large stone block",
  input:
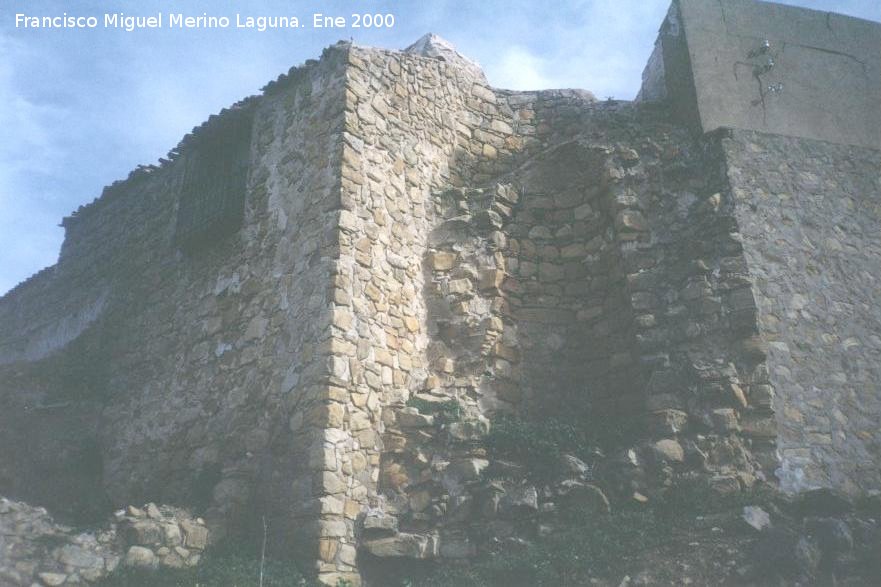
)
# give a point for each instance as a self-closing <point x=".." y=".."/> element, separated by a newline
<point x="415" y="546"/>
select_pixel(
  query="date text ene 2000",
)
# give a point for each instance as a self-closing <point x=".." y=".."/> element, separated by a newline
<point x="356" y="21"/>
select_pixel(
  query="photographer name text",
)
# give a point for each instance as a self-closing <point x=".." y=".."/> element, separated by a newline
<point x="180" y="21"/>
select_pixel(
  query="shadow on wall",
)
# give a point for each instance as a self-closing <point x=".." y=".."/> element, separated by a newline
<point x="52" y="455"/>
<point x="566" y="291"/>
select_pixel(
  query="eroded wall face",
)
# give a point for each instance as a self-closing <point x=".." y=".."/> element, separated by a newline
<point x="564" y="255"/>
<point x="408" y="120"/>
<point x="204" y="352"/>
<point x="427" y="305"/>
<point x="811" y="223"/>
<point x="565" y="287"/>
<point x="659" y="327"/>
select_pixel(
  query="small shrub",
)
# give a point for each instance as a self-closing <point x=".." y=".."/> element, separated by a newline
<point x="149" y="578"/>
<point x="446" y="576"/>
<point x="691" y="497"/>
<point x="587" y="547"/>
<point x="225" y="565"/>
<point x="536" y="445"/>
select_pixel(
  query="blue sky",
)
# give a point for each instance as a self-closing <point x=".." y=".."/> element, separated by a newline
<point x="81" y="108"/>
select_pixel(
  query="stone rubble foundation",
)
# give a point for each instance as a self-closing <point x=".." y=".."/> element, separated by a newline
<point x="35" y="550"/>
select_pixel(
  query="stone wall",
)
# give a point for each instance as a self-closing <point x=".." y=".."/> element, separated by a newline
<point x="408" y="123"/>
<point x="397" y="254"/>
<point x="565" y="287"/>
<point x="595" y="271"/>
<point x="658" y="321"/>
<point x="810" y="216"/>
<point x="199" y="357"/>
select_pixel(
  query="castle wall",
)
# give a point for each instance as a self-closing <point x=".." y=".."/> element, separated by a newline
<point x="204" y="353"/>
<point x="827" y="65"/>
<point x="430" y="301"/>
<point x="656" y="323"/>
<point x="697" y="340"/>
<point x="596" y="276"/>
<point x="314" y="310"/>
<point x="408" y="124"/>
<point x="811" y="222"/>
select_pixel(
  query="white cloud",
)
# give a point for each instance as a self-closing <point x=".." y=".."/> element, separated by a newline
<point x="592" y="45"/>
<point x="518" y="69"/>
<point x="23" y="118"/>
<point x="31" y="238"/>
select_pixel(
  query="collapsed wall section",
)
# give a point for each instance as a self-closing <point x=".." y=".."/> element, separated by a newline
<point x="564" y="288"/>
<point x="408" y="124"/>
<point x="660" y="315"/>
<point x="645" y="266"/>
<point x="550" y="277"/>
<point x="704" y="367"/>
